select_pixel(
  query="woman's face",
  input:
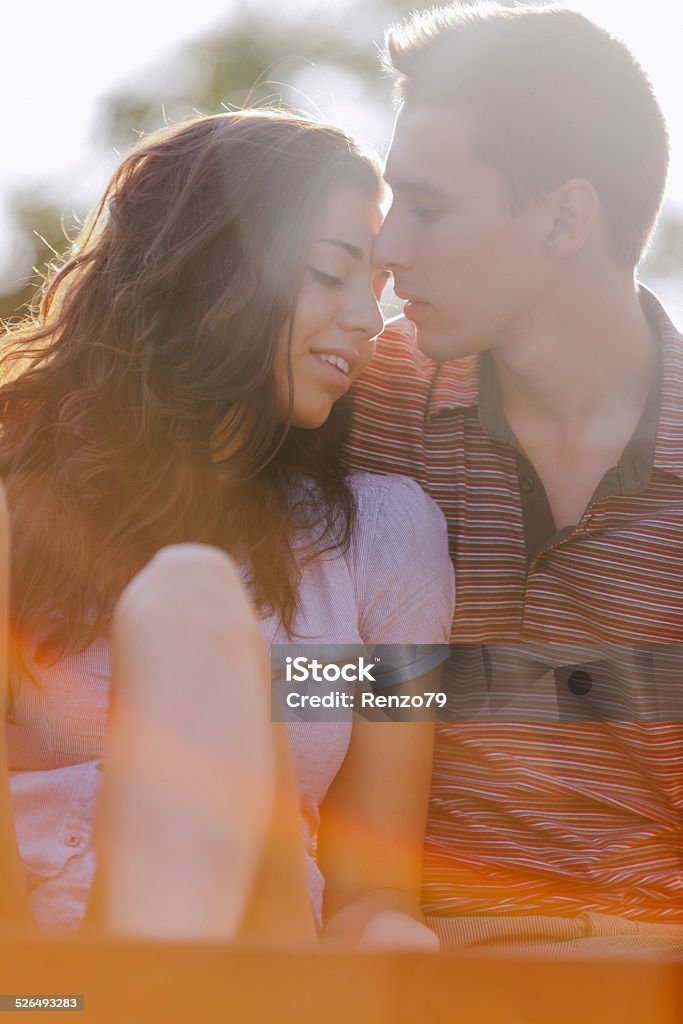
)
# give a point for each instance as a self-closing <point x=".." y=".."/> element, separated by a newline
<point x="337" y="314"/>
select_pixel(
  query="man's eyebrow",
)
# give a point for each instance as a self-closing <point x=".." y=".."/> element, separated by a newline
<point x="353" y="250"/>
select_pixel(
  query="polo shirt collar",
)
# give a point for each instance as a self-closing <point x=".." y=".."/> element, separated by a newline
<point x="668" y="447"/>
<point x="470" y="383"/>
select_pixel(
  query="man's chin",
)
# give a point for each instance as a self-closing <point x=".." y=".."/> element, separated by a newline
<point x="442" y="346"/>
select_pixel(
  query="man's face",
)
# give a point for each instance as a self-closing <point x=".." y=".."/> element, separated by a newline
<point x="473" y="271"/>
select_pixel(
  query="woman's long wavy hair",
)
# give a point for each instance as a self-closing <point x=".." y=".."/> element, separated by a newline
<point x="138" y="406"/>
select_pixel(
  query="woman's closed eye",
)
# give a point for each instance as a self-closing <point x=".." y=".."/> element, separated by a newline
<point x="329" y="280"/>
<point x="426" y="213"/>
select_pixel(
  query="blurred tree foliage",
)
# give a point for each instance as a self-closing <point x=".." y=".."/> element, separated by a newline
<point x="43" y="229"/>
<point x="665" y="259"/>
<point x="260" y="53"/>
<point x="244" y="64"/>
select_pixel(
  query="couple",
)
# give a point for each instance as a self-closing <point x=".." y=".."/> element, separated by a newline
<point x="185" y="391"/>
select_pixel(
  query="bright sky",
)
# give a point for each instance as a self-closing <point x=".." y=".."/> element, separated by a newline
<point x="61" y="57"/>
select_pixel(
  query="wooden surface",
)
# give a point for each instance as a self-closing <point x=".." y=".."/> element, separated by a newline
<point x="144" y="983"/>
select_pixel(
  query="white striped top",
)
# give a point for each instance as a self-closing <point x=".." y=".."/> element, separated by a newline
<point x="393" y="585"/>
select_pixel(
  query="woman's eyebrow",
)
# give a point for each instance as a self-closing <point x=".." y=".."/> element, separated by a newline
<point x="353" y="250"/>
<point x="417" y="185"/>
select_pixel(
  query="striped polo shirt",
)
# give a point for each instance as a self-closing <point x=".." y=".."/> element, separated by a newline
<point x="555" y="817"/>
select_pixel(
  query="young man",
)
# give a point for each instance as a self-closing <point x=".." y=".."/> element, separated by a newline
<point x="536" y="392"/>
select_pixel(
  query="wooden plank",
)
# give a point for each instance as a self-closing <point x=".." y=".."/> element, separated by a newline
<point x="511" y="989"/>
<point x="131" y="982"/>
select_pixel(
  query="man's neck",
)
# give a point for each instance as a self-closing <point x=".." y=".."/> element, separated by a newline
<point x="584" y="359"/>
<point x="574" y="386"/>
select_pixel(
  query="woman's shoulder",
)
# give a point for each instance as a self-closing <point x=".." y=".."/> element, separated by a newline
<point x="375" y="492"/>
<point x="395" y="521"/>
<point x="399" y="561"/>
<point x="393" y="516"/>
<point x="378" y="486"/>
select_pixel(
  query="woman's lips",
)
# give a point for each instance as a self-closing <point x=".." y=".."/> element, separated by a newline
<point x="333" y="373"/>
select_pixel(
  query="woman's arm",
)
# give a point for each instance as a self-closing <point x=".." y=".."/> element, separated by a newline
<point x="374" y="816"/>
<point x="372" y="830"/>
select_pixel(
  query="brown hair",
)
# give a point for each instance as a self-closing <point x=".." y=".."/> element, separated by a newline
<point x="551" y="97"/>
<point x="144" y="412"/>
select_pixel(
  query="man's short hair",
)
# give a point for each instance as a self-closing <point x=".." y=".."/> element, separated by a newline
<point x="551" y="96"/>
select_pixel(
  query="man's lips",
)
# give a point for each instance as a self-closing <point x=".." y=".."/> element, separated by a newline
<point x="418" y="312"/>
<point x="415" y="309"/>
<point x="414" y="300"/>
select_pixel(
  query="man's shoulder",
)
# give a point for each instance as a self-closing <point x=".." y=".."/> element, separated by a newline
<point x="401" y="376"/>
<point x="399" y="392"/>
<point x="397" y="355"/>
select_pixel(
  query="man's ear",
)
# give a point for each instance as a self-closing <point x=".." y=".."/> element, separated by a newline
<point x="573" y="210"/>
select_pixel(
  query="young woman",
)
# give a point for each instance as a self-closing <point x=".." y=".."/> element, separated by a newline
<point x="171" y="440"/>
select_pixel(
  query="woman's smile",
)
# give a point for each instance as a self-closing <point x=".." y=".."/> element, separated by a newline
<point x="337" y="313"/>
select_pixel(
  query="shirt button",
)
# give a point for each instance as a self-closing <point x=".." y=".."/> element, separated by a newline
<point x="72" y="839"/>
<point x="579" y="682"/>
<point x="528" y="484"/>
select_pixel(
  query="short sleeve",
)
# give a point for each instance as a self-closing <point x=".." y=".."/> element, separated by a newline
<point x="404" y="576"/>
